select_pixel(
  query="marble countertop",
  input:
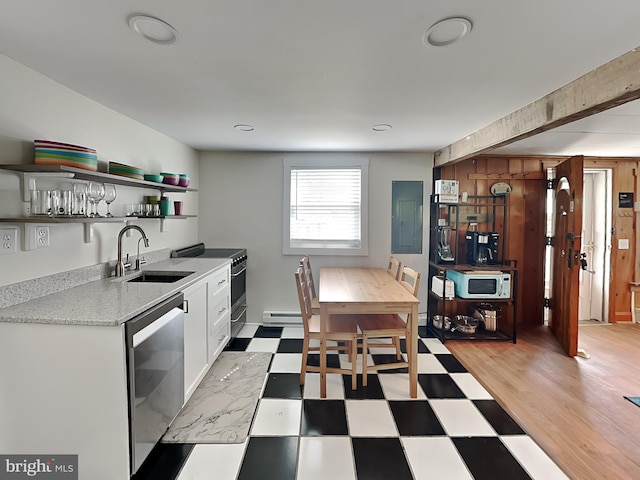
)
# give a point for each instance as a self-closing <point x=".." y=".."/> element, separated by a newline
<point x="110" y="301"/>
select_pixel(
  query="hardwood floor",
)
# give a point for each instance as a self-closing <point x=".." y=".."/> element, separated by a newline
<point x="572" y="407"/>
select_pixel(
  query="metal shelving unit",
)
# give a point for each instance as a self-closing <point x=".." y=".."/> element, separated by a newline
<point x="486" y="210"/>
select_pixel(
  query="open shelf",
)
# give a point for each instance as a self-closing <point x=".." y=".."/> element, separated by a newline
<point x="55" y="220"/>
<point x="89" y="175"/>
<point x="470" y="300"/>
<point x="162" y="217"/>
<point x="509" y="266"/>
<point x="479" y="335"/>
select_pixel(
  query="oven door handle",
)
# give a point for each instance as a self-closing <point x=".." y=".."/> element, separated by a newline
<point x="239" y="316"/>
<point x="238" y="273"/>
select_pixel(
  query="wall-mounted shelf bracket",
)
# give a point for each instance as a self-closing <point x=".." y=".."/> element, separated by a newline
<point x="88" y="232"/>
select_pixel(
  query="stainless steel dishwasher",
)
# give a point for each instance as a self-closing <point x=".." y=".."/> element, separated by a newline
<point x="155" y="363"/>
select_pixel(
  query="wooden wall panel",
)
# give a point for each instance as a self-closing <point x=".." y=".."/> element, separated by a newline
<point x="622" y="260"/>
<point x="524" y="232"/>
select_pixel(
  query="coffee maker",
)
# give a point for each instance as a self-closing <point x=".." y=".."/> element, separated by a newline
<point x="482" y="248"/>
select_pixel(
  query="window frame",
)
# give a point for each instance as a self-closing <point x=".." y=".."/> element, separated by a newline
<point x="315" y="163"/>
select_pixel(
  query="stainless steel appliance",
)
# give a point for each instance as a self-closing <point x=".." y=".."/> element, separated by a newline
<point x="238" y="258"/>
<point x="155" y="380"/>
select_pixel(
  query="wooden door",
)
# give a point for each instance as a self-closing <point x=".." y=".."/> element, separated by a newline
<point x="565" y="284"/>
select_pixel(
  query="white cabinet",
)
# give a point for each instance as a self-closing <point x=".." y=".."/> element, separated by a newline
<point x="195" y="336"/>
<point x="207" y="325"/>
<point x="64" y="390"/>
<point x="219" y="312"/>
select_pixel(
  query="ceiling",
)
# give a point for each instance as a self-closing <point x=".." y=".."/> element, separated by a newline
<point x="318" y="75"/>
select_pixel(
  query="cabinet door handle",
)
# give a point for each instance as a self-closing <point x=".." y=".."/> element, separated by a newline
<point x="222" y="282"/>
<point x="221" y="310"/>
<point x="185" y="306"/>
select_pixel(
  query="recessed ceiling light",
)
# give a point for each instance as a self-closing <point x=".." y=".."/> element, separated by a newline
<point x="153" y="29"/>
<point x="447" y="31"/>
<point x="244" y="128"/>
<point x="381" y="127"/>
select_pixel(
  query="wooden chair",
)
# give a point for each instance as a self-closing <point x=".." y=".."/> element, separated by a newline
<point x="395" y="268"/>
<point x="339" y="328"/>
<point x="389" y="325"/>
<point x="305" y="263"/>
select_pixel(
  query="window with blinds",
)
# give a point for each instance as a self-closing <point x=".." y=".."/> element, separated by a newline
<point x="324" y="208"/>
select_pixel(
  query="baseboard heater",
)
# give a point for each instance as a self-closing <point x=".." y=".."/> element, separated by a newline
<point x="278" y="319"/>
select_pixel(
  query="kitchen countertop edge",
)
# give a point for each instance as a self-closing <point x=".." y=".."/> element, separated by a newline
<point x="110" y="301"/>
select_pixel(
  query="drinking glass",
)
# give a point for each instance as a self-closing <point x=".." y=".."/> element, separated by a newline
<point x="65" y="202"/>
<point x="95" y="193"/>
<point x="109" y="196"/>
<point x="80" y="199"/>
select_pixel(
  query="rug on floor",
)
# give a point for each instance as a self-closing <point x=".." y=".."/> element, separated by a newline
<point x="222" y="407"/>
<point x="635" y="400"/>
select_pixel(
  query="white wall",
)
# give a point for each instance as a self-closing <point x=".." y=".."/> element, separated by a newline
<point x="34" y="107"/>
<point x="241" y="206"/>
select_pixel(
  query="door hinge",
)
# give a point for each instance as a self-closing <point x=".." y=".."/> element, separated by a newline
<point x="547" y="302"/>
<point x="548" y="241"/>
<point x="551" y="184"/>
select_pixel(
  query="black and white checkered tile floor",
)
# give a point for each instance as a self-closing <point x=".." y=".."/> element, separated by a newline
<point x="453" y="430"/>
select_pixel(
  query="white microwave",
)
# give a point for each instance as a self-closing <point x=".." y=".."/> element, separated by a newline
<point x="481" y="284"/>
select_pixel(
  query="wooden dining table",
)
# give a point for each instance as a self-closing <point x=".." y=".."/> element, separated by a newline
<point x="367" y="290"/>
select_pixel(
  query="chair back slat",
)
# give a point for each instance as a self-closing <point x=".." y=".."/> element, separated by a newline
<point x="305" y="263"/>
<point x="394" y="268"/>
<point x="410" y="279"/>
<point x="303" y="298"/>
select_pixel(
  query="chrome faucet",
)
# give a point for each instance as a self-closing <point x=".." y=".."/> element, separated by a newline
<point x="120" y="265"/>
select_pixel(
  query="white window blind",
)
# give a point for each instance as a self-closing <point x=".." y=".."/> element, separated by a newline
<point x="325" y="207"/>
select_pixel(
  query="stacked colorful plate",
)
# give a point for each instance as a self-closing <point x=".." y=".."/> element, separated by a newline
<point x="126" y="170"/>
<point x="57" y="153"/>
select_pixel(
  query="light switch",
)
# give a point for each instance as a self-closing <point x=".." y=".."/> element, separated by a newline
<point x="623" y="244"/>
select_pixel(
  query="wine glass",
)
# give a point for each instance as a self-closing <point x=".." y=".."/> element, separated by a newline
<point x="109" y="196"/>
<point x="95" y="193"/>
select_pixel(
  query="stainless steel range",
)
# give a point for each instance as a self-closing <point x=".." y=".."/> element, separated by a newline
<point x="238" y="258"/>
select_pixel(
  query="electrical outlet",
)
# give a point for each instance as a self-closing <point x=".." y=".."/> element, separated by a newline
<point x="42" y="237"/>
<point x="8" y="240"/>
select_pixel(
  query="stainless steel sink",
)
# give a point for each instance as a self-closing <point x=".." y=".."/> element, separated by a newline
<point x="159" y="277"/>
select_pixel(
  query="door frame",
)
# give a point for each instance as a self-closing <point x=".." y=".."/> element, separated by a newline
<point x="605" y="178"/>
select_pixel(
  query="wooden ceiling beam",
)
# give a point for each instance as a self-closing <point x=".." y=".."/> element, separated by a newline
<point x="607" y="86"/>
